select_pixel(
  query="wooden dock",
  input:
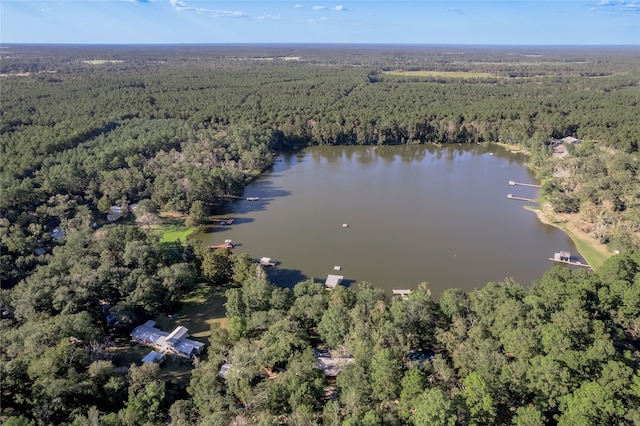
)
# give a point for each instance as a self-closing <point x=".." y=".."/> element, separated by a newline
<point x="571" y="262"/>
<point x="222" y="221"/>
<point x="227" y="244"/>
<point x="565" y="257"/>
<point x="511" y="197"/>
<point x="514" y="183"/>
<point x="235" y="197"/>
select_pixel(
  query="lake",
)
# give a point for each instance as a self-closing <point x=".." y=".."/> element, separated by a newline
<point x="414" y="213"/>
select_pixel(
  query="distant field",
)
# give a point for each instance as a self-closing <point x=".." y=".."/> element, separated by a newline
<point x="450" y="74"/>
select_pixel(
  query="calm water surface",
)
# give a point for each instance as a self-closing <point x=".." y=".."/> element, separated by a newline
<point x="414" y="214"/>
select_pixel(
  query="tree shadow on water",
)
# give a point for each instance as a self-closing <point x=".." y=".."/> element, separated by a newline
<point x="286" y="278"/>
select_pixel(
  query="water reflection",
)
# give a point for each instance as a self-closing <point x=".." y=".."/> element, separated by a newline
<point x="416" y="213"/>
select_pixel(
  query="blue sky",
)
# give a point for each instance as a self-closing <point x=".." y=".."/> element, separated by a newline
<point x="511" y="22"/>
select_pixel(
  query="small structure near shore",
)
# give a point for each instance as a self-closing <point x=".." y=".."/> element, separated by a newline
<point x="333" y="281"/>
<point x="401" y="292"/>
<point x="266" y="261"/>
<point x="227" y="244"/>
<point x="565" y="257"/>
<point x="562" y="255"/>
<point x="223" y="221"/>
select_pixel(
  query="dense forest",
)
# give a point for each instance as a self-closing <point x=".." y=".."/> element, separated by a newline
<point x="179" y="129"/>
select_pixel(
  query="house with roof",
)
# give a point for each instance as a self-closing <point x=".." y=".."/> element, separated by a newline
<point x="153" y="357"/>
<point x="174" y="342"/>
<point x="329" y="364"/>
<point x="333" y="281"/>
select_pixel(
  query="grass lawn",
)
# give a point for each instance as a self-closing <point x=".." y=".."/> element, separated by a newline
<point x="172" y="228"/>
<point x="199" y="310"/>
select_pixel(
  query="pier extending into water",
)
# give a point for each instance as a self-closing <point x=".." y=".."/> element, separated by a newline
<point x="565" y="257"/>
<point x="571" y="262"/>
<point x="511" y="197"/>
<point x="514" y="183"/>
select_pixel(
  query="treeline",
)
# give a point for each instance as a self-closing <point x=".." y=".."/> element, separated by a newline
<point x="563" y="351"/>
<point x="602" y="187"/>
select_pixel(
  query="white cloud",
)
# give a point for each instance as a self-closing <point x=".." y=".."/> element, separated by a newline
<point x="297" y="6"/>
<point x="268" y="18"/>
<point x="181" y="6"/>
<point x="319" y="7"/>
<point x="620" y="5"/>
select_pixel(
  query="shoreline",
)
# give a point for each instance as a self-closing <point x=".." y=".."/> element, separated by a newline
<point x="595" y="254"/>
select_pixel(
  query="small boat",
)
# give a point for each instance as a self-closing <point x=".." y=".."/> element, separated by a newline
<point x="252" y="198"/>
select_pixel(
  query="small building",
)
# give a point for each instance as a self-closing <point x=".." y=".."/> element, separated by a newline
<point x="401" y="292"/>
<point x="570" y="140"/>
<point x="330" y="365"/>
<point x="224" y="370"/>
<point x="57" y="233"/>
<point x="332" y="281"/>
<point x="564" y="256"/>
<point x="421" y="356"/>
<point x="175" y="342"/>
<point x="153" y="357"/>
<point x="266" y="261"/>
<point x="114" y="213"/>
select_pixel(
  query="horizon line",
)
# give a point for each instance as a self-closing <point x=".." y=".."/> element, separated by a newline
<point x="262" y="43"/>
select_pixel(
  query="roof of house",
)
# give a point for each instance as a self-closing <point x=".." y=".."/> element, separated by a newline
<point x="148" y="334"/>
<point x="333" y="280"/>
<point x="569" y="139"/>
<point x="152" y="357"/>
<point x="188" y="346"/>
<point x="177" y="334"/>
<point x="332" y="366"/>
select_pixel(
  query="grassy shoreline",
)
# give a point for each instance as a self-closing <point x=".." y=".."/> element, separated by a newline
<point x="593" y="252"/>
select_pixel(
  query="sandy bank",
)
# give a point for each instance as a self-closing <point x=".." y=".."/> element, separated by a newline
<point x="593" y="252"/>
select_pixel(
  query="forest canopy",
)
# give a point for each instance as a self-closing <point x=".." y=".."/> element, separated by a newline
<point x="86" y="129"/>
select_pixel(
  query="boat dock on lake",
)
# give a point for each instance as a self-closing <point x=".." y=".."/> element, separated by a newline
<point x="266" y="261"/>
<point x="514" y="183"/>
<point x="227" y="244"/>
<point x="333" y="281"/>
<point x="222" y="221"/>
<point x="235" y="197"/>
<point x="511" y="197"/>
<point x="565" y="257"/>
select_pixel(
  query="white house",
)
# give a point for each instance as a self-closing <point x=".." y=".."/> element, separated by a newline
<point x="175" y="342"/>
